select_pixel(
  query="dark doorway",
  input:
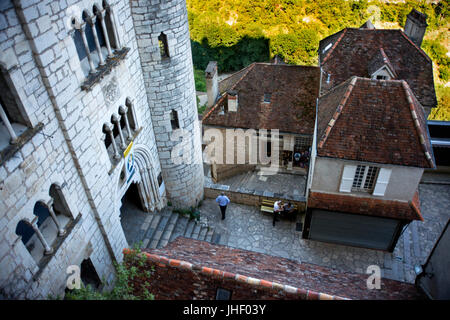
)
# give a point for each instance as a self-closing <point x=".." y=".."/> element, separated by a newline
<point x="89" y="275"/>
<point x="132" y="197"/>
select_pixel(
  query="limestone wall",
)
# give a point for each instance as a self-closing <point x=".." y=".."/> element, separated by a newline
<point x="169" y="83"/>
<point x="39" y="55"/>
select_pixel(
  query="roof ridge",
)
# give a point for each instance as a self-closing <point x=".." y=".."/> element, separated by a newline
<point x="250" y="67"/>
<point x="413" y="112"/>
<point x="338" y="111"/>
<point x="254" y="282"/>
<point x="414" y="45"/>
<point x="334" y="46"/>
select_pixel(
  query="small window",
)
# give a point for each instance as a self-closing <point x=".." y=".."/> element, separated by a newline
<point x="223" y="294"/>
<point x="163" y="47"/>
<point x="267" y="97"/>
<point x="174" y="120"/>
<point x="364" y="178"/>
<point x="380" y="77"/>
<point x="160" y="179"/>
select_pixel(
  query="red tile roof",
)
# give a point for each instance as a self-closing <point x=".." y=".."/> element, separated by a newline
<point x="366" y="206"/>
<point x="352" y="49"/>
<point x="360" y="120"/>
<point x="308" y="281"/>
<point x="293" y="89"/>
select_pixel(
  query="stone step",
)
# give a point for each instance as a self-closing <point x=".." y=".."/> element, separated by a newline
<point x="216" y="238"/>
<point x="189" y="229"/>
<point x="209" y="235"/>
<point x="151" y="230"/>
<point x="180" y="228"/>
<point x="159" y="231"/>
<point x="168" y="230"/>
<point x="202" y="233"/>
<point x="196" y="231"/>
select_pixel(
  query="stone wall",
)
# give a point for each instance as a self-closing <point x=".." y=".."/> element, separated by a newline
<point x="250" y="197"/>
<point x="39" y="55"/>
<point x="169" y="83"/>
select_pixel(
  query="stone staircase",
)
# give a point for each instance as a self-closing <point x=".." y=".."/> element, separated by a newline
<point x="164" y="227"/>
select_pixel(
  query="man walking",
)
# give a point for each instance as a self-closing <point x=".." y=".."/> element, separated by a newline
<point x="223" y="201"/>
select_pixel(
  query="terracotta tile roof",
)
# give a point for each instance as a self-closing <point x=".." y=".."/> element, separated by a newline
<point x="353" y="48"/>
<point x="366" y="206"/>
<point x="360" y="120"/>
<point x="293" y="89"/>
<point x="306" y="280"/>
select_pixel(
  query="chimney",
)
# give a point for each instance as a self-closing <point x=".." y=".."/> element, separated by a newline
<point x="212" y="84"/>
<point x="415" y="26"/>
<point x="232" y="101"/>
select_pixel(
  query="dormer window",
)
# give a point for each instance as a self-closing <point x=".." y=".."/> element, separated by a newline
<point x="267" y="97"/>
<point x="382" y="77"/>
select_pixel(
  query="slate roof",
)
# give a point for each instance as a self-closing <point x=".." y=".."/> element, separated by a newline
<point x="360" y="120"/>
<point x="379" y="60"/>
<point x="353" y="48"/>
<point x="367" y="206"/>
<point x="293" y="89"/>
<point x="308" y="280"/>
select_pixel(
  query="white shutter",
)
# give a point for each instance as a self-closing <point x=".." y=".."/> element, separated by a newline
<point x="382" y="182"/>
<point x="347" y="179"/>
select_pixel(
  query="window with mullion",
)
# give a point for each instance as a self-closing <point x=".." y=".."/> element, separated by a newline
<point x="364" y="179"/>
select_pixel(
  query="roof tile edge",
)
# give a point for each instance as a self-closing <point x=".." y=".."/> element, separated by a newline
<point x="258" y="283"/>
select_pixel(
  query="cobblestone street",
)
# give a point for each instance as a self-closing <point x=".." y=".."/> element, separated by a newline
<point x="247" y="228"/>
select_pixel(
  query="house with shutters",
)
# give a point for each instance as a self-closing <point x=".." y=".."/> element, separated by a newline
<point x="371" y="141"/>
<point x="369" y="153"/>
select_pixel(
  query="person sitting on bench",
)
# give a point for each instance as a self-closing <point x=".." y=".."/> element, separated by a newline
<point x="288" y="208"/>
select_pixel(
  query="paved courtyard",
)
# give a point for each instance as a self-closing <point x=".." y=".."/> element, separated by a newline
<point x="247" y="228"/>
<point x="289" y="185"/>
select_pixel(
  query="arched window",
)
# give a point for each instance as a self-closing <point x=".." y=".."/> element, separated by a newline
<point x="110" y="25"/>
<point x="174" y="120"/>
<point x="108" y="139"/>
<point x="131" y="115"/>
<point x="60" y="206"/>
<point x="26" y="232"/>
<point x="163" y="46"/>
<point x="13" y="121"/>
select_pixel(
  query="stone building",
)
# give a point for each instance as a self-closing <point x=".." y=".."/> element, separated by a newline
<point x="96" y="97"/>
<point x="256" y="101"/>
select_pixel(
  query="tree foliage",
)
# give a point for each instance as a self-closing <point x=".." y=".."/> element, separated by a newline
<point x="236" y="33"/>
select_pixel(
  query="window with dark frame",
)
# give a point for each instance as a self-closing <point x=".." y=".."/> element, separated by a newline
<point x="364" y="179"/>
<point x="174" y="120"/>
<point x="163" y="46"/>
<point x="223" y="294"/>
<point x="160" y="179"/>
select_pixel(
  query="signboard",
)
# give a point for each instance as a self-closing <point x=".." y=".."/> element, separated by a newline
<point x="130" y="168"/>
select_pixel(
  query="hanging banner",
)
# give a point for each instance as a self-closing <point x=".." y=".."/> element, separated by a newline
<point x="129" y="162"/>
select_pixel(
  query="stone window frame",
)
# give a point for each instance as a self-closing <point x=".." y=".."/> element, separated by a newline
<point x="121" y="130"/>
<point x="20" y="128"/>
<point x="55" y="204"/>
<point x="163" y="45"/>
<point x="174" y="119"/>
<point x="107" y="58"/>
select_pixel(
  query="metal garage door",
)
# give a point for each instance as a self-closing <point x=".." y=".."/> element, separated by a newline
<point x="351" y="229"/>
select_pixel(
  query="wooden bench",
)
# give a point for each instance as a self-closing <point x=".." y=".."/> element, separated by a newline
<point x="267" y="207"/>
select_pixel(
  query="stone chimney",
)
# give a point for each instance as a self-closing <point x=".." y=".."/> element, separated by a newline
<point x="232" y="101"/>
<point x="212" y="83"/>
<point x="415" y="26"/>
